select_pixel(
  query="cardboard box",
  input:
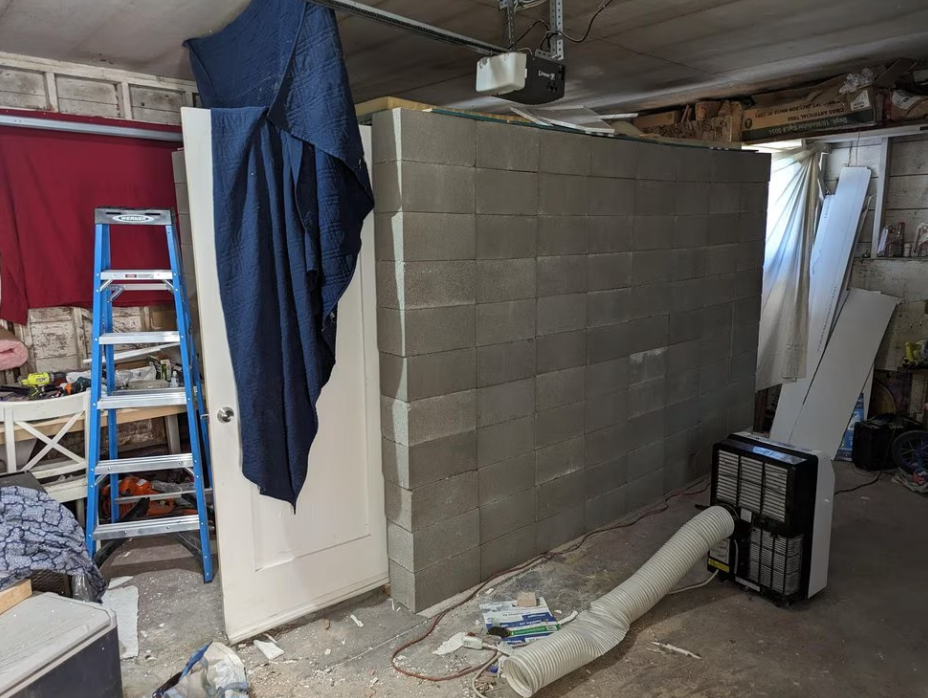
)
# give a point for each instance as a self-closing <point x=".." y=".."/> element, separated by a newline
<point x="908" y="107"/>
<point x="724" y="128"/>
<point x="664" y="118"/>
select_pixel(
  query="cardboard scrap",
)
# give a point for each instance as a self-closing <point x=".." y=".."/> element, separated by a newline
<point x="522" y="623"/>
<point x="268" y="649"/>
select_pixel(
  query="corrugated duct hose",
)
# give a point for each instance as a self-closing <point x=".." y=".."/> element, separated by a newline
<point x="605" y="625"/>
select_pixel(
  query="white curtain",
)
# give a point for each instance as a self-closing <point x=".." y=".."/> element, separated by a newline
<point x="792" y="215"/>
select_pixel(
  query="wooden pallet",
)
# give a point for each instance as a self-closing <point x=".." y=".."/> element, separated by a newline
<point x="14" y="595"/>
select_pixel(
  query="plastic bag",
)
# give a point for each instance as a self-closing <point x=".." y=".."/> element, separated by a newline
<point x="214" y="671"/>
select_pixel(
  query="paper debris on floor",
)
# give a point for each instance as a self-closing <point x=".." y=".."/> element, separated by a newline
<point x="124" y="602"/>
<point x="518" y="625"/>
<point x="676" y="650"/>
<point x="452" y="644"/>
<point x="356" y="621"/>
<point x="268" y="649"/>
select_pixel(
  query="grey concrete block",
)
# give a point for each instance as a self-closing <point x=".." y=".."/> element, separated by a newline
<point x="507" y="192"/>
<point x="721" y="259"/>
<point x="694" y="165"/>
<point x="609" y="342"/>
<point x="427" y="587"/>
<point x="559" y="459"/>
<point x="646" y="397"/>
<point x="752" y="226"/>
<point x="509" y="321"/>
<point x="611" y="197"/>
<point x="507" y="515"/>
<point x="654" y="198"/>
<point x="679" y="475"/>
<point x="435" y="188"/>
<point x="682" y="445"/>
<point x="605" y="445"/>
<point x="506" y="237"/>
<point x="424" y="137"/>
<point x="687" y="264"/>
<point x="560" y="235"/>
<point x="741" y="416"/>
<point x="554" y="352"/>
<point x="718" y="289"/>
<point x="563" y="195"/>
<point x="645" y="429"/>
<point x="605" y="508"/>
<point x="751" y="255"/>
<point x="647" y="333"/>
<point x="685" y="326"/>
<point x="657" y="161"/>
<point x="389" y="188"/>
<point x="559" y="529"/>
<point x="687" y="295"/>
<point x="724" y="229"/>
<point x="747" y="311"/>
<point x="605" y="476"/>
<point x="713" y="376"/>
<point x="505" y="279"/>
<point x="755" y="167"/>
<point x="608" y="307"/>
<point x="412" y="467"/>
<point x="501" y="403"/>
<point x="502" y="147"/>
<point x="645" y="460"/>
<point x="429" y="504"/>
<point x="691" y="231"/>
<point x="416" y="377"/>
<point x="743" y="367"/>
<point x="655" y="232"/>
<point x="716" y="318"/>
<point x="414" y="332"/>
<point x="610" y="233"/>
<point x="744" y="338"/>
<point x="424" y="237"/>
<point x="754" y="197"/>
<point x="565" y="153"/>
<point x="715" y="347"/>
<point x="747" y="284"/>
<point x="561" y="313"/>
<point x="502" y="363"/>
<point x="562" y="275"/>
<point x="505" y="441"/>
<point x="714" y="427"/>
<point x="506" y="478"/>
<point x="651" y="267"/>
<point x="726" y="166"/>
<point x="559" y="388"/>
<point x="649" y="300"/>
<point x="411" y="423"/>
<point x="507" y="551"/>
<point x="609" y="271"/>
<point x="683" y="357"/>
<point x="645" y="491"/>
<point x="428" y="546"/>
<point x="647" y="366"/>
<point x="691" y="198"/>
<point x="606" y="410"/>
<point x="681" y="416"/>
<point x="558" y="424"/>
<point x="559" y="495"/>
<point x="724" y="197"/>
<point x="615" y="158"/>
<point x="681" y="386"/>
<point x="607" y="377"/>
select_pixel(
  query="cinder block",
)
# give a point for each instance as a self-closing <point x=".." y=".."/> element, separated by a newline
<point x="719" y="289"/>
<point x="645" y="490"/>
<point x="609" y="271"/>
<point x="605" y="508"/>
<point x="505" y="280"/>
<point x="502" y="363"/>
<point x="503" y="147"/>
<point x="647" y="333"/>
<point x="713" y="376"/>
<point x="554" y="352"/>
<point x="565" y="153"/>
<point x="679" y="475"/>
<point x="437" y="501"/>
<point x="608" y="307"/>
<point x="681" y="416"/>
<point x="721" y="259"/>
<point x="655" y="232"/>
<point x="411" y="423"/>
<point x="609" y="342"/>
<point x="559" y="388"/>
<point x="509" y="321"/>
<point x="654" y="198"/>
<point x="610" y="234"/>
<point x="743" y="367"/>
<point x="645" y="460"/>
<point x="715" y="347"/>
<point x="744" y="338"/>
<point x="754" y="197"/>
<point x="434" y="188"/>
<point x="694" y="165"/>
<point x="561" y="275"/>
<point x="741" y="416"/>
<point x="724" y="197"/>
<point x="647" y="365"/>
<point x="686" y="325"/>
<point x="605" y="477"/>
<point x="726" y="166"/>
<point x="427" y="546"/>
<point x="389" y="188"/>
<point x="417" y="377"/>
<point x="714" y="405"/>
<point x="606" y="410"/>
<point x="563" y="195"/>
<point x="611" y="197"/>
<point x="658" y="161"/>
<point x="716" y="318"/>
<point x="683" y="357"/>
<point x="681" y="446"/>
<point x="507" y="551"/>
<point x="687" y="264"/>
<point x="649" y="300"/>
<point x="650" y="267"/>
<point x="752" y="226"/>
<point x="606" y="377"/>
<point x="424" y="237"/>
<point x="645" y="429"/>
<point x="558" y="424"/>
<point x="681" y="386"/>
<point x="724" y="229"/>
<point x="414" y="332"/>
<point x="756" y="167"/>
<point x="506" y="237"/>
<point x="427" y="587"/>
<point x="412" y="467"/>
<point x="615" y="158"/>
<point x="507" y="515"/>
<point x="605" y="445"/>
<point x="424" y="137"/>
<point x="646" y="397"/>
<point x="560" y="494"/>
<point x="506" y="478"/>
<point x="686" y="295"/>
<point x="691" y="198"/>
<point x="691" y="231"/>
<point x="507" y="192"/>
<point x="713" y="427"/>
<point x="563" y="235"/>
<point x="561" y="313"/>
<point x="747" y="284"/>
<point x="751" y="255"/>
<point x="559" y="459"/>
<point x="505" y="441"/>
<point x="501" y="403"/>
<point x="747" y="311"/>
<point x="559" y="529"/>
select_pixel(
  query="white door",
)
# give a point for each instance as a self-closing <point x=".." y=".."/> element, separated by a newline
<point x="276" y="565"/>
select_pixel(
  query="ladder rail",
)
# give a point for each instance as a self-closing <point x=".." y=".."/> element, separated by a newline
<point x="96" y="369"/>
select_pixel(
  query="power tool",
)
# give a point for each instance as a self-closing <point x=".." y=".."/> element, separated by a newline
<point x="41" y="382"/>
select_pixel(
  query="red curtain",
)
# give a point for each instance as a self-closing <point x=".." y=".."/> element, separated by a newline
<point x="50" y="184"/>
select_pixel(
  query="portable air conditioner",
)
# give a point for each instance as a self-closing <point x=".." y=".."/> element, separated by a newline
<point x="781" y="497"/>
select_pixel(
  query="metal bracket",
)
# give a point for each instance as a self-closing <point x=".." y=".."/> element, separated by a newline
<point x="556" y="22"/>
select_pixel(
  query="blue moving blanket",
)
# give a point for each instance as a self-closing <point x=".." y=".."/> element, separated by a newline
<point x="291" y="192"/>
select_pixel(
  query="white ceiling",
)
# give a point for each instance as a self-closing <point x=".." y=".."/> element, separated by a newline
<point x="641" y="53"/>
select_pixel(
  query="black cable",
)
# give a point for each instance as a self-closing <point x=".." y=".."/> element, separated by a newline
<point x="860" y="486"/>
<point x="547" y="38"/>
<point x="529" y="30"/>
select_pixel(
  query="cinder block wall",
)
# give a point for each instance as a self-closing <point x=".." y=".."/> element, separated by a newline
<point x="566" y="324"/>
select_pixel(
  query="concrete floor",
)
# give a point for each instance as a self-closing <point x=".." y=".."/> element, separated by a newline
<point x="863" y="636"/>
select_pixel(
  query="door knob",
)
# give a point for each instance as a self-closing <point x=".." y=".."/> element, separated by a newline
<point x="225" y="414"/>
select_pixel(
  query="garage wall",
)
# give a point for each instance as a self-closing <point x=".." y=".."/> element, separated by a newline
<point x="566" y="324"/>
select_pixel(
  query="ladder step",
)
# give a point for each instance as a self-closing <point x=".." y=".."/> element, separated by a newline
<point x="144" y="464"/>
<point x="170" y="337"/>
<point x="146" y="527"/>
<point x="163" y="495"/>
<point x="137" y="275"/>
<point x="160" y="397"/>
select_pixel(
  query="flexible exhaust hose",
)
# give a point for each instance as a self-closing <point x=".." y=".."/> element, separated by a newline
<point x="605" y="625"/>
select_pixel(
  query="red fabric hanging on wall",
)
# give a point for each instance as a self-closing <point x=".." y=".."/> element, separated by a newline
<point x="50" y="184"/>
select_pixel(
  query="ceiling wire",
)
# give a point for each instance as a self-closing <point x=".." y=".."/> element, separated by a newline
<point x="551" y="34"/>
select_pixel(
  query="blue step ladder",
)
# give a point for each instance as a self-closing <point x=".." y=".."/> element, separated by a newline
<point x="104" y="395"/>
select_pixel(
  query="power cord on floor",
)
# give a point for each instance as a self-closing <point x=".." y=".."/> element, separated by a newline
<point x="694" y="586"/>
<point x="479" y="672"/>
<point x="860" y="486"/>
<point x="685" y="491"/>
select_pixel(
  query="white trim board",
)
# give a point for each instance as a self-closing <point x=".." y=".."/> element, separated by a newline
<point x="835" y="238"/>
<point x="845" y="366"/>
